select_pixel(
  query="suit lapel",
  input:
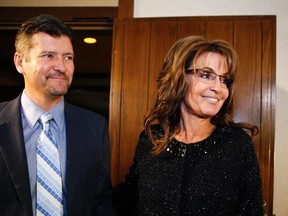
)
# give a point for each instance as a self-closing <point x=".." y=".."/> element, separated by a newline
<point x="73" y="134"/>
<point x="13" y="151"/>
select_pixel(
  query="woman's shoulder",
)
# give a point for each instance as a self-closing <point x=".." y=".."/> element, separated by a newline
<point x="234" y="132"/>
<point x="236" y="137"/>
<point x="144" y="143"/>
<point x="156" y="129"/>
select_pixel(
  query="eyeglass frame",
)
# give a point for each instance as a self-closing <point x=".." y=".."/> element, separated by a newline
<point x="210" y="71"/>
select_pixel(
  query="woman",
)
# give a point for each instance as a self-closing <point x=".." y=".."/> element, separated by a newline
<point x="192" y="158"/>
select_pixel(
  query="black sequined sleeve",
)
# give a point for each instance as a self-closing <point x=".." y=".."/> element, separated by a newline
<point x="250" y="194"/>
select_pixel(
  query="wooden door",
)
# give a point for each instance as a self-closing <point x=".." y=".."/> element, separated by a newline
<point x="139" y="48"/>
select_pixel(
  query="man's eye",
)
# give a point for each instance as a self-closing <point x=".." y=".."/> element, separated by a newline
<point x="70" y="58"/>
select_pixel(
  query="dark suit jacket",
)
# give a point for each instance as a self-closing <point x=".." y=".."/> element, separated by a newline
<point x="88" y="185"/>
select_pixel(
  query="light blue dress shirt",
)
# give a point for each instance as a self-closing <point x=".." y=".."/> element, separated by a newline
<point x="30" y="113"/>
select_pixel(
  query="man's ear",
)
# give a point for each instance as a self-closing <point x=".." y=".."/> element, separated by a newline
<point x="18" y="61"/>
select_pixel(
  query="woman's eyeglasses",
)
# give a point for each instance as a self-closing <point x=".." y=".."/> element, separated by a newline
<point x="208" y="76"/>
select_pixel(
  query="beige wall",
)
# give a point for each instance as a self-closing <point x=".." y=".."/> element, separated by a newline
<point x="71" y="3"/>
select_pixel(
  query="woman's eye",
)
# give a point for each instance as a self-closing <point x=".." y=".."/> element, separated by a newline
<point x="206" y="75"/>
<point x="224" y="80"/>
<point x="47" y="55"/>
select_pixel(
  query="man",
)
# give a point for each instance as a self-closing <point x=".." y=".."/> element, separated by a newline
<point x="79" y="138"/>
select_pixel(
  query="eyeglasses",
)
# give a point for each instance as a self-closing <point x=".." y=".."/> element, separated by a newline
<point x="208" y="76"/>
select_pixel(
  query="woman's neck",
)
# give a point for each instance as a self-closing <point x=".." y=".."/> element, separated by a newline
<point x="194" y="129"/>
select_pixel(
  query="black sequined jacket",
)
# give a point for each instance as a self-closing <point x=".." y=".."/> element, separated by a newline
<point x="217" y="176"/>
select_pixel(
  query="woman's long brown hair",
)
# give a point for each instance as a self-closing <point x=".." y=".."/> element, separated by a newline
<point x="172" y="85"/>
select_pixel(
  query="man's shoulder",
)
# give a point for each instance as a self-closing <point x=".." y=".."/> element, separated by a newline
<point x="3" y="104"/>
<point x="12" y="104"/>
<point x="83" y="112"/>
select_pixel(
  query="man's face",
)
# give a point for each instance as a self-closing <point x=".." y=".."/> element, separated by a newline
<point x="48" y="66"/>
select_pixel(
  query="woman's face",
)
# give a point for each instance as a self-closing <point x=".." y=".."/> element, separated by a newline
<point x="204" y="98"/>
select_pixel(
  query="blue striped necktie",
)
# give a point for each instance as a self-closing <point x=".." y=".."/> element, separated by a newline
<point x="49" y="182"/>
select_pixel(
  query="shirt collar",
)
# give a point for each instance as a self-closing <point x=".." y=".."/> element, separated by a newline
<point x="32" y="111"/>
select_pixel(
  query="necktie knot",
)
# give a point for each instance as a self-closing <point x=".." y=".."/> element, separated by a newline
<point x="45" y="118"/>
